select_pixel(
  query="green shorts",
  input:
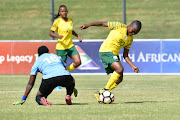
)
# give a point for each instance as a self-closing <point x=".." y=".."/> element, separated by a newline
<point x="68" y="52"/>
<point x="107" y="59"/>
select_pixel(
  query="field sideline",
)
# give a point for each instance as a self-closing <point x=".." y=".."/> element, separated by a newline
<point x="137" y="98"/>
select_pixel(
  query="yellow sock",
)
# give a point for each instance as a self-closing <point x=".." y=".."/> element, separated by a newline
<point x="114" y="77"/>
<point x="113" y="86"/>
<point x="71" y="67"/>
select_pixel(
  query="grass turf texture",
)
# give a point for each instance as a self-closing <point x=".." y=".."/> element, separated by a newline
<point x="31" y="19"/>
<point x="137" y="98"/>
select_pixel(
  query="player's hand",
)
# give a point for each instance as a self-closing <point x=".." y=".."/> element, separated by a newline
<point x="60" y="36"/>
<point x="80" y="38"/>
<point x="135" y="69"/>
<point x="84" y="26"/>
<point x="20" y="102"/>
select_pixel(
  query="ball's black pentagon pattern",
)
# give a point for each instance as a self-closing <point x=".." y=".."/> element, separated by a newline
<point x="109" y="96"/>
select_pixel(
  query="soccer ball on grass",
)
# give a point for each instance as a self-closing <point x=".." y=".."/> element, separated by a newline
<point x="107" y="97"/>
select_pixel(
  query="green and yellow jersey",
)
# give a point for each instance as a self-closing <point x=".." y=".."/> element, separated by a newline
<point x="116" y="39"/>
<point x="65" y="29"/>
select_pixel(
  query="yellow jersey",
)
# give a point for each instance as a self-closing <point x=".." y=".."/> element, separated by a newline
<point x="116" y="39"/>
<point x="65" y="29"/>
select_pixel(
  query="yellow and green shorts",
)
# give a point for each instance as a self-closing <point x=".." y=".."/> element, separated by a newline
<point x="68" y="52"/>
<point x="107" y="59"/>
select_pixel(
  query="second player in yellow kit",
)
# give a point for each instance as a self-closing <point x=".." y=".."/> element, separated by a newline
<point x="63" y="28"/>
<point x="120" y="35"/>
<point x="65" y="46"/>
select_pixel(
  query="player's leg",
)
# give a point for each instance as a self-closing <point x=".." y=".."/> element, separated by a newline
<point x="74" y="65"/>
<point x="117" y="82"/>
<point x="41" y="100"/>
<point x="112" y="65"/>
<point x="118" y="71"/>
<point x="68" y="82"/>
<point x="69" y="90"/>
<point x="62" y="54"/>
<point x="74" y="54"/>
<point x="44" y="90"/>
<point x="115" y="79"/>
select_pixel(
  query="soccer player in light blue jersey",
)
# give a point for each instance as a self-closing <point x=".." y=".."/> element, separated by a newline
<point x="54" y="74"/>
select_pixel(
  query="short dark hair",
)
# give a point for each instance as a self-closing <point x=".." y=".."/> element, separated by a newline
<point x="137" y="24"/>
<point x="42" y="49"/>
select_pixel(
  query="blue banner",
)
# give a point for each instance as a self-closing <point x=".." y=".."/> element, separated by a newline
<point x="150" y="56"/>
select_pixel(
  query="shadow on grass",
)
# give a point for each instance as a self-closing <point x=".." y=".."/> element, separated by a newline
<point x="145" y="102"/>
<point x="73" y="104"/>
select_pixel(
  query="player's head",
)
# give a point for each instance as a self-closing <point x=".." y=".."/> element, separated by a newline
<point x="134" y="28"/>
<point x="42" y="49"/>
<point x="62" y="12"/>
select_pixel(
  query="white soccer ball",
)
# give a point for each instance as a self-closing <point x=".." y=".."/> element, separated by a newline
<point x="107" y="97"/>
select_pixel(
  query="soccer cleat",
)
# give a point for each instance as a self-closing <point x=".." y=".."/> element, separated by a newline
<point x="45" y="102"/>
<point x="103" y="89"/>
<point x="68" y="100"/>
<point x="96" y="95"/>
<point x="75" y="92"/>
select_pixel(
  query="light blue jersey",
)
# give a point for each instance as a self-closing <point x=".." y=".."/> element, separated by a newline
<point x="50" y="65"/>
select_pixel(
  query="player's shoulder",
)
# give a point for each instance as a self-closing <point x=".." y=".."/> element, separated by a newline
<point x="58" y="19"/>
<point x="70" y="19"/>
<point x="52" y="54"/>
<point x="122" y="25"/>
<point x="116" y="25"/>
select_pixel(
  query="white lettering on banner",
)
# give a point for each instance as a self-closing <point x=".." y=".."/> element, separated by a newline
<point x="177" y="57"/>
<point x="131" y="57"/>
<point x="164" y="57"/>
<point x="2" y="58"/>
<point x="141" y="57"/>
<point x="153" y="57"/>
<point x="36" y="56"/>
<point x="18" y="59"/>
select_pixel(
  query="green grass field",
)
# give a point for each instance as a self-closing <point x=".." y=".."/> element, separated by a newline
<point x="137" y="98"/>
<point x="31" y="19"/>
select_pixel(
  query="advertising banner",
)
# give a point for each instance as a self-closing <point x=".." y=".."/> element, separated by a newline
<point x="151" y="56"/>
<point x="17" y="57"/>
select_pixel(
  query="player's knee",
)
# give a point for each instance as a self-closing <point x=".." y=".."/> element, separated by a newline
<point x="38" y="99"/>
<point x="77" y="63"/>
<point x="119" y="70"/>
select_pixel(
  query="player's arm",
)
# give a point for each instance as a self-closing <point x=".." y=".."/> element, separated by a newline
<point x="126" y="57"/>
<point x="78" y="36"/>
<point x="27" y="91"/>
<point x="55" y="28"/>
<point x="30" y="85"/>
<point x="52" y="34"/>
<point x="84" y="26"/>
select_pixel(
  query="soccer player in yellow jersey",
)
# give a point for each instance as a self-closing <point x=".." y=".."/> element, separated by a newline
<point x="65" y="46"/>
<point x="120" y="35"/>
